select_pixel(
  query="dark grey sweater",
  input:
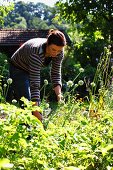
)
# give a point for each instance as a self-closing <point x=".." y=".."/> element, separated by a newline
<point x="31" y="58"/>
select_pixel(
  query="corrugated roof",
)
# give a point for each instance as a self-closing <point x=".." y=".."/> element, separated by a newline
<point x="10" y="37"/>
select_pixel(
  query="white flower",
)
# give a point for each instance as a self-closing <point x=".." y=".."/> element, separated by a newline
<point x="76" y="85"/>
<point x="109" y="46"/>
<point x="81" y="70"/>
<point x="85" y="113"/>
<point x="14" y="101"/>
<point x="80" y="82"/>
<point x="47" y="105"/>
<point x="9" y="81"/>
<point x="93" y="84"/>
<point x="5" y="85"/>
<point x="5" y="61"/>
<point x="46" y="82"/>
<point x="100" y="91"/>
<point x="70" y="83"/>
<point x="105" y="48"/>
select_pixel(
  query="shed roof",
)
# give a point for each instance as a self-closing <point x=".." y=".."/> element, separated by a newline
<point x="9" y="37"/>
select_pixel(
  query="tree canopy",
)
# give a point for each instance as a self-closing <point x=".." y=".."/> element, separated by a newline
<point x="4" y="10"/>
<point x="93" y="14"/>
<point x="30" y="15"/>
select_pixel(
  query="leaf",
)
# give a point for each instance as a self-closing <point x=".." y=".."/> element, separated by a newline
<point x="106" y="149"/>
<point x="71" y="168"/>
<point x="22" y="142"/>
<point x="5" y="163"/>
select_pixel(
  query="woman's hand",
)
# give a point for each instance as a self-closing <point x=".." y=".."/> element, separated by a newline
<point x="58" y="93"/>
<point x="60" y="97"/>
<point x="37" y="113"/>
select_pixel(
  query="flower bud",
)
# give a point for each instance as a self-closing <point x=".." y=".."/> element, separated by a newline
<point x="5" y="85"/>
<point x="47" y="105"/>
<point x="70" y="83"/>
<point x="14" y="101"/>
<point x="46" y="82"/>
<point x="9" y="81"/>
<point x="80" y="82"/>
<point x="93" y="84"/>
<point x="81" y="70"/>
<point x="76" y="85"/>
<point x="5" y="61"/>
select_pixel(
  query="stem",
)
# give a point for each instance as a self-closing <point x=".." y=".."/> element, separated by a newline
<point x="42" y="87"/>
<point x="44" y="93"/>
<point x="76" y="77"/>
<point x="6" y="91"/>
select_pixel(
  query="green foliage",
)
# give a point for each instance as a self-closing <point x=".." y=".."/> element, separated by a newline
<point x="4" y="74"/>
<point x="3" y="62"/>
<point x="85" y="10"/>
<point x="71" y="138"/>
<point x="32" y="16"/>
<point x="89" y="51"/>
<point x="4" y="10"/>
<point x="20" y="23"/>
<point x="86" y="16"/>
<point x="104" y="70"/>
<point x="101" y="90"/>
<point x="73" y="134"/>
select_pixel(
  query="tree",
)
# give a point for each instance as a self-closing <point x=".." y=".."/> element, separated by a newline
<point x="4" y="10"/>
<point x="20" y="23"/>
<point x="93" y="14"/>
<point x="37" y="23"/>
<point x="37" y="16"/>
<point x="93" y="21"/>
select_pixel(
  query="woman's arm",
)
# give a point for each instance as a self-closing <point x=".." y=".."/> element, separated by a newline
<point x="34" y="75"/>
<point x="37" y="113"/>
<point x="56" y="75"/>
<point x="57" y="90"/>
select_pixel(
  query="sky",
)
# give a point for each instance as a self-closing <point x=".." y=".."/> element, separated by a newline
<point x="47" y="2"/>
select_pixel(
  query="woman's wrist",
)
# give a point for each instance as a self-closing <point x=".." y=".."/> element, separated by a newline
<point x="57" y="90"/>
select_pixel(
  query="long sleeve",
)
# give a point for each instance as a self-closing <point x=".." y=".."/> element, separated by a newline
<point x="34" y="73"/>
<point x="30" y="57"/>
<point x="56" y="69"/>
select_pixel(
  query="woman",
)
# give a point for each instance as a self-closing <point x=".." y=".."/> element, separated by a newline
<point x="27" y="62"/>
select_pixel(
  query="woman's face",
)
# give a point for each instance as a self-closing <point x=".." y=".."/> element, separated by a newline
<point x="53" y="50"/>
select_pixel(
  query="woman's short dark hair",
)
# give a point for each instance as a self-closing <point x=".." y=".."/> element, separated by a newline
<point x="56" y="37"/>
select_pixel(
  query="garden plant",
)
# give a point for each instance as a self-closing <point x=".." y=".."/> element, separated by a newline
<point x="76" y="133"/>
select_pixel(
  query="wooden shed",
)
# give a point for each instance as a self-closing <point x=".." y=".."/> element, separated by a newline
<point x="12" y="39"/>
